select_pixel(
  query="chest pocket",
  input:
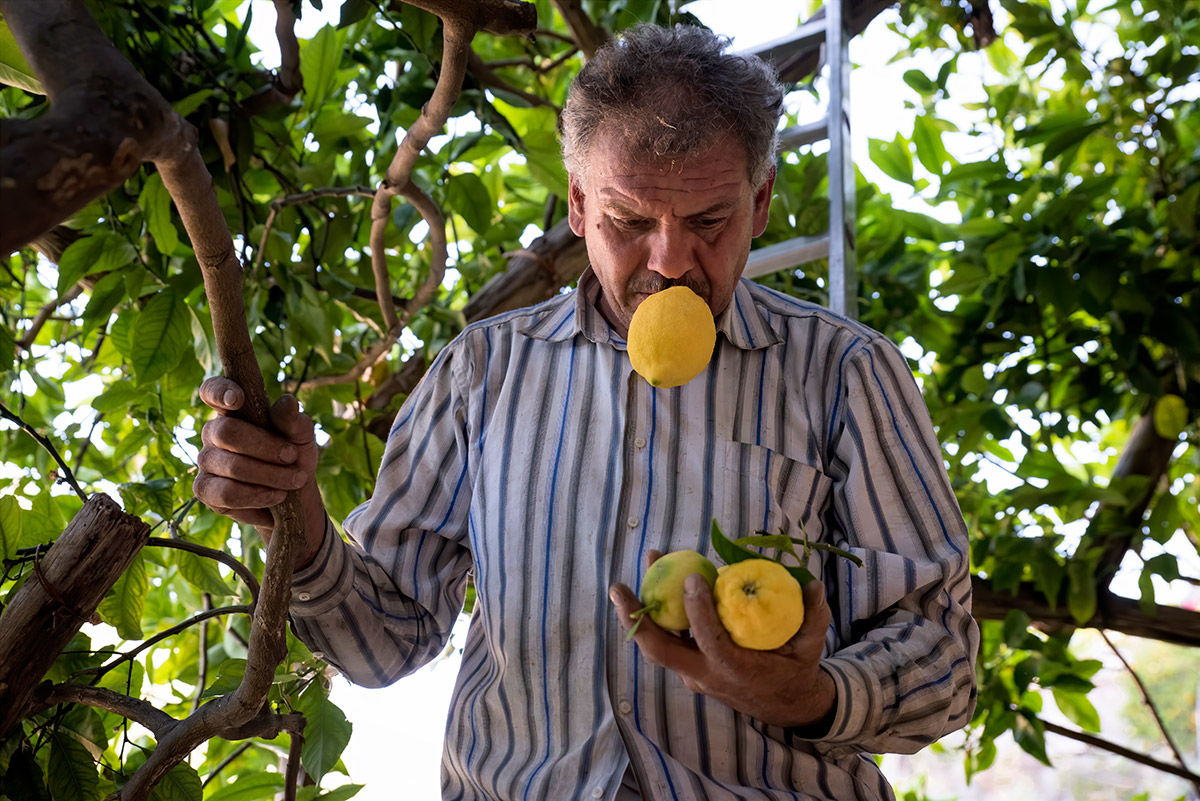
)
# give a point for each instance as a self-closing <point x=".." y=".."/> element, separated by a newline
<point x="763" y="490"/>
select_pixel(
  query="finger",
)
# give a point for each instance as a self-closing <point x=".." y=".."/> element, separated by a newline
<point x="259" y="518"/>
<point x="291" y="422"/>
<point x="707" y="629"/>
<point x="808" y="642"/>
<point x="652" y="556"/>
<point x="249" y="470"/>
<point x="626" y="603"/>
<point x="238" y="436"/>
<point x="224" y="493"/>
<point x="222" y="394"/>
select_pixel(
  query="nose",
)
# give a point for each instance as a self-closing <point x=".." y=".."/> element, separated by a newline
<point x="671" y="254"/>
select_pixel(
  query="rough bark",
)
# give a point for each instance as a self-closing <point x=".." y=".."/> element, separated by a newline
<point x="104" y="120"/>
<point x="63" y="592"/>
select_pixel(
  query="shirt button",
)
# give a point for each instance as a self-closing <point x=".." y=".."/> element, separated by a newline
<point x="597" y="792"/>
<point x="632" y="522"/>
<point x="625" y="707"/>
<point x="640" y="442"/>
<point x="303" y="596"/>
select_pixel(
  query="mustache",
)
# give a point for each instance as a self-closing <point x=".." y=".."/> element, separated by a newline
<point x="651" y="282"/>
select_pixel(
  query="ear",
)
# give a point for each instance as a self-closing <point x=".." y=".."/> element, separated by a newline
<point x="762" y="204"/>
<point x="575" y="199"/>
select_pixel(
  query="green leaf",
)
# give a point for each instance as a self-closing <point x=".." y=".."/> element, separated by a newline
<point x="893" y="158"/>
<point x="920" y="82"/>
<point x="101" y="252"/>
<point x="122" y="607"/>
<point x="106" y="294"/>
<point x="1031" y="736"/>
<point x="353" y="11"/>
<point x="732" y="553"/>
<point x="250" y="787"/>
<point x="202" y="573"/>
<point x="342" y="793"/>
<point x="161" y="333"/>
<point x="181" y="784"/>
<point x="326" y="732"/>
<point x="155" y="202"/>
<point x="1170" y="416"/>
<point x="8" y="350"/>
<point x="14" y="68"/>
<point x="1077" y="709"/>
<point x="927" y="138"/>
<point x="468" y="197"/>
<point x="1081" y="590"/>
<point x="190" y="103"/>
<point x="10" y="526"/>
<point x="121" y="394"/>
<point x="71" y="773"/>
<point x="1066" y="139"/>
<point x="319" y="60"/>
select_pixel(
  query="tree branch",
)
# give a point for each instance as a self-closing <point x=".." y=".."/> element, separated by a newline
<point x="588" y="35"/>
<point x="303" y="197"/>
<point x="1165" y="623"/>
<point x="1120" y="750"/>
<point x="1158" y="719"/>
<point x="44" y="314"/>
<point x="68" y="476"/>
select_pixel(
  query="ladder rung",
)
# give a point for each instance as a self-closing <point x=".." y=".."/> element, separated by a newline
<point x="782" y="255"/>
<point x="796" y="136"/>
<point x="808" y="36"/>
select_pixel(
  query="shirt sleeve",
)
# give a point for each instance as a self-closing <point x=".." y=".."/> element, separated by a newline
<point x="905" y="668"/>
<point x="383" y="605"/>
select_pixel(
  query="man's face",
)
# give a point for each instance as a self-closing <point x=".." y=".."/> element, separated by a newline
<point x="652" y="223"/>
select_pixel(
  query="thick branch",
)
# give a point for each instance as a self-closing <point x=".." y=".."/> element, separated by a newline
<point x="1167" y="623"/>
<point x="104" y="120"/>
<point x="588" y="35"/>
<point x="68" y="584"/>
<point x="501" y="17"/>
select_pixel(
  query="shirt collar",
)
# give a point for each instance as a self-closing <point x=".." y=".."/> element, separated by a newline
<point x="742" y="322"/>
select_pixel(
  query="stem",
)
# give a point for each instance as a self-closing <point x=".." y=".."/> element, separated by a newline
<point x="1105" y="745"/>
<point x="1158" y="719"/>
<point x="68" y="476"/>
<point x="212" y="553"/>
<point x="162" y="635"/>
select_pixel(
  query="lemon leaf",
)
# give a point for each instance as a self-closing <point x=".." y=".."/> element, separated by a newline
<point x="732" y="552"/>
<point x="1170" y="416"/>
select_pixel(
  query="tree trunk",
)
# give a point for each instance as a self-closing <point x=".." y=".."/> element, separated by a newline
<point x="62" y="593"/>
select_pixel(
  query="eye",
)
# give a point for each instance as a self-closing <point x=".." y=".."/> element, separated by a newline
<point x="708" y="223"/>
<point x="629" y="223"/>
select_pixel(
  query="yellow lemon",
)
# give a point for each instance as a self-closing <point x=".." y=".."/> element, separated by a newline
<point x="759" y="602"/>
<point x="671" y="337"/>
<point x="662" y="588"/>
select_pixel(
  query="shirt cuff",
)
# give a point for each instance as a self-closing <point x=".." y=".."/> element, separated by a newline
<point x="850" y="713"/>
<point x="326" y="581"/>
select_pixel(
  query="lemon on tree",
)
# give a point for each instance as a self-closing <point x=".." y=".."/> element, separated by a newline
<point x="662" y="588"/>
<point x="671" y="337"/>
<point x="759" y="603"/>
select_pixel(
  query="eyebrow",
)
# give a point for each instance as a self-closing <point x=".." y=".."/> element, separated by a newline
<point x="616" y="205"/>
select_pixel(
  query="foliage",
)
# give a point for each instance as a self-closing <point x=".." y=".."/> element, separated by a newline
<point x="1055" y="308"/>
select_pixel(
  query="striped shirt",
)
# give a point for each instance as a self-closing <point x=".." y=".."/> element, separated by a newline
<point x="534" y="459"/>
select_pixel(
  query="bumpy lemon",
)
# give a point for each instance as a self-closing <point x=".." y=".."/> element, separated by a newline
<point x="671" y="337"/>
<point x="662" y="587"/>
<point x="759" y="602"/>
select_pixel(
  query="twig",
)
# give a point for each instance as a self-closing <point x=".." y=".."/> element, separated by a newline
<point x="226" y="762"/>
<point x="162" y="635"/>
<point x="67" y="476"/>
<point x="44" y="314"/>
<point x="1105" y="745"/>
<point x="213" y="553"/>
<point x="292" y="776"/>
<point x="202" y="656"/>
<point x="1158" y="719"/>
<point x="304" y="197"/>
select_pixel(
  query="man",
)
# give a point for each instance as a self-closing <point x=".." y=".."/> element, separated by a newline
<point x="533" y="457"/>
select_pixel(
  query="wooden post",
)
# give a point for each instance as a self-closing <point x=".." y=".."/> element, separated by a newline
<point x="62" y="593"/>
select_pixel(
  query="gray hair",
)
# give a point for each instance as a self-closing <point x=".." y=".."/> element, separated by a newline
<point x="670" y="93"/>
